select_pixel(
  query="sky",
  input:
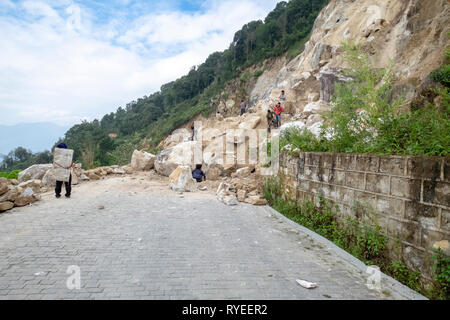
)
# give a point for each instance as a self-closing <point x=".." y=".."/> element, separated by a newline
<point x="65" y="61"/>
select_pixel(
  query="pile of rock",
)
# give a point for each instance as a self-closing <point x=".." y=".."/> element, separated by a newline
<point x="12" y="195"/>
<point x="100" y="172"/>
<point x="181" y="180"/>
<point x="244" y="185"/>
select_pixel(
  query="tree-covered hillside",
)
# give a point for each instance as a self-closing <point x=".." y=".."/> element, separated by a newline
<point x="145" y="122"/>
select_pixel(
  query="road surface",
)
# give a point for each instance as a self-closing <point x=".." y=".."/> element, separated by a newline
<point x="132" y="238"/>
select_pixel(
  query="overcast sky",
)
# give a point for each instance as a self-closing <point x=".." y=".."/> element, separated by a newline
<point x="64" y="61"/>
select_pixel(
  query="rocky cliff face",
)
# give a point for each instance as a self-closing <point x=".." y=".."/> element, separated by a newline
<point x="412" y="33"/>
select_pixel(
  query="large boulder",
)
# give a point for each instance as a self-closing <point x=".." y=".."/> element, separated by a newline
<point x="22" y="201"/>
<point x="219" y="159"/>
<point x="181" y="155"/>
<point x="142" y="161"/>
<point x="36" y="171"/>
<point x="178" y="136"/>
<point x="49" y="178"/>
<point x="3" y="188"/>
<point x="27" y="197"/>
<point x="214" y="172"/>
<point x="6" y="205"/>
<point x="316" y="106"/>
<point x="11" y="195"/>
<point x="181" y="180"/>
<point x="250" y="122"/>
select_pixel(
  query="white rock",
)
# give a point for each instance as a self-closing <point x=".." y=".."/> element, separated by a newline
<point x="251" y="122"/>
<point x="183" y="154"/>
<point x="180" y="180"/>
<point x="28" y="192"/>
<point x="305" y="75"/>
<point x="142" y="161"/>
<point x="316" y="106"/>
<point x="36" y="171"/>
<point x="49" y="178"/>
<point x="178" y="136"/>
<point x="306" y="284"/>
<point x="224" y="195"/>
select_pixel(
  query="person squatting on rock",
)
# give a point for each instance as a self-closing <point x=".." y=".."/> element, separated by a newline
<point x="278" y="110"/>
<point x="67" y="185"/>
<point x="198" y="174"/>
<point x="243" y="107"/>
<point x="282" y="96"/>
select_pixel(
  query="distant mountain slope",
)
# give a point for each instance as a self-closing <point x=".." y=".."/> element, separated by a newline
<point x="34" y="136"/>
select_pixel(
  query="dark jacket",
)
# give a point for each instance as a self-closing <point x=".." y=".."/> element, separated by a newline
<point x="198" y="175"/>
<point x="62" y="145"/>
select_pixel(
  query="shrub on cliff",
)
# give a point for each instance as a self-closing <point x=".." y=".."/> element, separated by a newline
<point x="365" y="118"/>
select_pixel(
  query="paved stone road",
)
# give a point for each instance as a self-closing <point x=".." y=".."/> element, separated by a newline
<point x="150" y="243"/>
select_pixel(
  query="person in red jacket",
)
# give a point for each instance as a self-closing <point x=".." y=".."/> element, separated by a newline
<point x="278" y="110"/>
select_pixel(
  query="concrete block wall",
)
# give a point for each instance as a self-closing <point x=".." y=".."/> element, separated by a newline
<point x="408" y="196"/>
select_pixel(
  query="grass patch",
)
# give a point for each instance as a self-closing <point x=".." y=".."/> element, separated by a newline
<point x="10" y="175"/>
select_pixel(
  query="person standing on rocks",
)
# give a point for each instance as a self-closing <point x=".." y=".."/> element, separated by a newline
<point x="243" y="107"/>
<point x="67" y="185"/>
<point x="282" y="96"/>
<point x="278" y="110"/>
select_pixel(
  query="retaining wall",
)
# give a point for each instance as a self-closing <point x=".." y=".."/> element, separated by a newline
<point x="408" y="196"/>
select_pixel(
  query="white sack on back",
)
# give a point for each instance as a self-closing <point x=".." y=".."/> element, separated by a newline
<point x="62" y="164"/>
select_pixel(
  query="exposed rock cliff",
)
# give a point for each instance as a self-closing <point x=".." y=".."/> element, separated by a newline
<point x="412" y="33"/>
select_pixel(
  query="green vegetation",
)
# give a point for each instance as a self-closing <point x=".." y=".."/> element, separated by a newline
<point x="258" y="73"/>
<point x="362" y="238"/>
<point x="365" y="117"/>
<point x="21" y="158"/>
<point x="10" y="175"/>
<point x="148" y="120"/>
<point x="410" y="278"/>
<point x="441" y="269"/>
<point x="442" y="75"/>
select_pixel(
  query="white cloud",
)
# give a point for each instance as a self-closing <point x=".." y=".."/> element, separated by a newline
<point x="51" y="69"/>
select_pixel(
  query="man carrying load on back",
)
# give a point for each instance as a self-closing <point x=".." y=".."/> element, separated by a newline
<point x="68" y="185"/>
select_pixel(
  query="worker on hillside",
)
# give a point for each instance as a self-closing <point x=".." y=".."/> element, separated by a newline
<point x="67" y="185"/>
<point x="243" y="107"/>
<point x="278" y="110"/>
<point x="198" y="174"/>
<point x="270" y="116"/>
<point x="282" y="96"/>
